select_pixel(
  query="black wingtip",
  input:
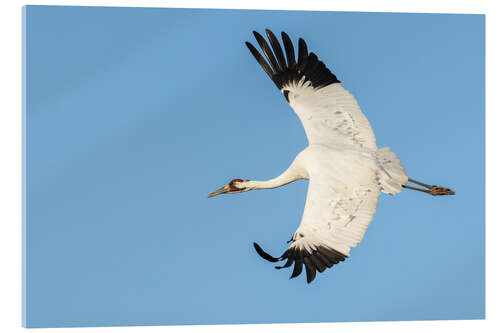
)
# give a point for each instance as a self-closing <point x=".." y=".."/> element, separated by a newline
<point x="297" y="268"/>
<point x="250" y="46"/>
<point x="256" y="34"/>
<point x="280" y="64"/>
<point x="310" y="270"/>
<point x="304" y="45"/>
<point x="263" y="254"/>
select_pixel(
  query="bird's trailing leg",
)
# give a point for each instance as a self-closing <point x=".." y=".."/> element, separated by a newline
<point x="431" y="189"/>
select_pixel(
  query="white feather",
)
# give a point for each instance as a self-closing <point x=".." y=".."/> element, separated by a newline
<point x="331" y="116"/>
<point x="346" y="170"/>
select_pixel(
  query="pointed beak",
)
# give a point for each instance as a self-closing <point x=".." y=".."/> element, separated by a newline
<point x="222" y="190"/>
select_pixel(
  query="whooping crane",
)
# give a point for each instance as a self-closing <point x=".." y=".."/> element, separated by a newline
<point x="345" y="169"/>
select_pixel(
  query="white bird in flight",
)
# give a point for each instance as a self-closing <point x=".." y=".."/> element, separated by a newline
<point x="345" y="168"/>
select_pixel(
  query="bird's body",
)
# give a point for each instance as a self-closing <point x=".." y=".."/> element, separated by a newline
<point x="345" y="168"/>
<point x="344" y="185"/>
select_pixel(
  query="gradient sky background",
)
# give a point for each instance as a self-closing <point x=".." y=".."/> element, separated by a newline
<point x="133" y="115"/>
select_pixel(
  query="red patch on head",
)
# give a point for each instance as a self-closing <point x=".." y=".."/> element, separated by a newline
<point x="232" y="186"/>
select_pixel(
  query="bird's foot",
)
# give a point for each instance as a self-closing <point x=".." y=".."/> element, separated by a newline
<point x="431" y="189"/>
<point x="439" y="190"/>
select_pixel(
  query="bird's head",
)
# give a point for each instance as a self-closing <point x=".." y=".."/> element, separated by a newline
<point x="234" y="186"/>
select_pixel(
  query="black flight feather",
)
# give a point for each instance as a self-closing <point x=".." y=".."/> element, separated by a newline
<point x="277" y="50"/>
<point x="320" y="267"/>
<point x="267" y="51"/>
<point x="260" y="60"/>
<point x="297" y="269"/>
<point x="284" y="72"/>
<point x="263" y="254"/>
<point x="320" y="259"/>
<point x="310" y="269"/>
<point x="324" y="260"/>
<point x="288" y="263"/>
<point x="330" y="254"/>
<point x="290" y="53"/>
<point x="302" y="61"/>
<point x="312" y="62"/>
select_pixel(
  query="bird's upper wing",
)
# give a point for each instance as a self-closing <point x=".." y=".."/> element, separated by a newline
<point x="329" y="113"/>
<point x="337" y="213"/>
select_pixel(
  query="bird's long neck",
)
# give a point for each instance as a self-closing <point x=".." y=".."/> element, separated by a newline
<point x="290" y="175"/>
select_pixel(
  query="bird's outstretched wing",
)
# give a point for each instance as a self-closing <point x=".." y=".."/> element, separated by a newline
<point x="329" y="113"/>
<point x="336" y="216"/>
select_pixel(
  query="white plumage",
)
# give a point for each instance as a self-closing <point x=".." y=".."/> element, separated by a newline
<point x="331" y="116"/>
<point x="345" y="169"/>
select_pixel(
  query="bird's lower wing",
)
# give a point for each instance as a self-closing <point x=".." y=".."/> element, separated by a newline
<point x="336" y="216"/>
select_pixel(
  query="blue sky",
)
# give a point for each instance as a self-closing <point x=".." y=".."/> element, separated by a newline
<point x="134" y="115"/>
